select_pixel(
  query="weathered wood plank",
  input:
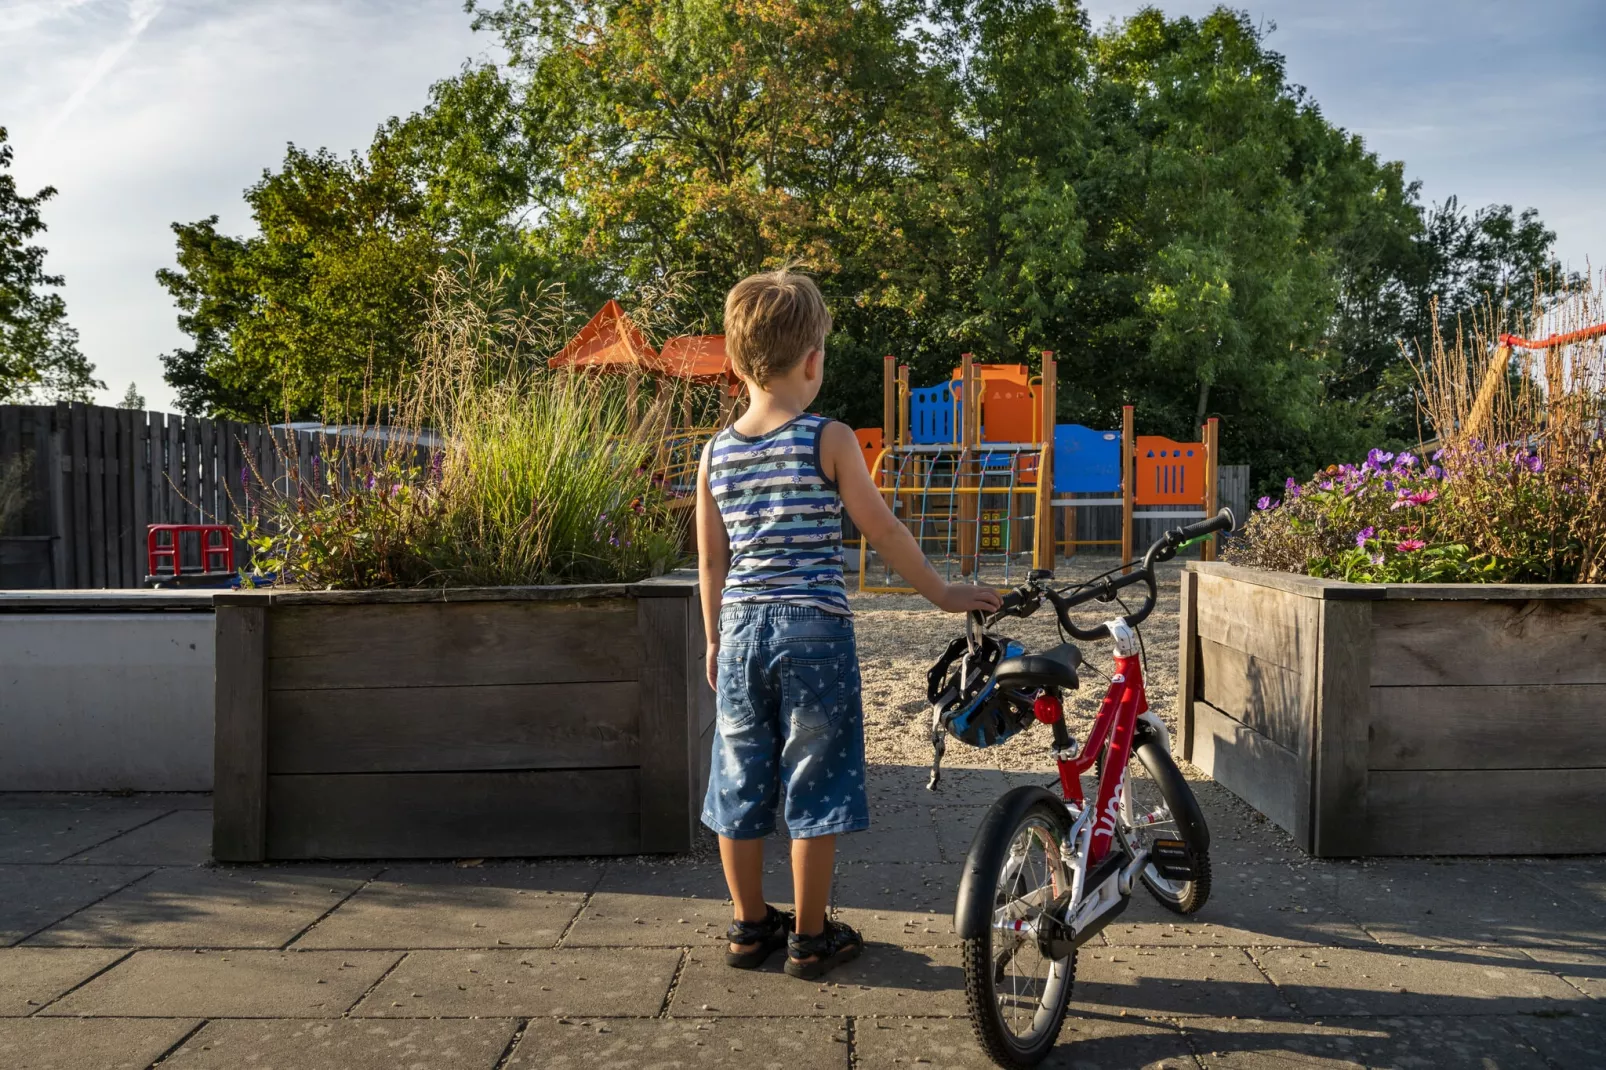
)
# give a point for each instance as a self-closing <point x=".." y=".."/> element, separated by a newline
<point x="1532" y="726"/>
<point x="1187" y="658"/>
<point x="173" y="475"/>
<point x="1501" y="642"/>
<point x="102" y="498"/>
<point x="192" y="471"/>
<point x="139" y="481"/>
<point x="667" y="713"/>
<point x="1342" y="718"/>
<point x="1290" y="582"/>
<point x="424" y="729"/>
<point x="1263" y="621"/>
<point x="60" y="501"/>
<point x="1265" y="698"/>
<point x="130" y="575"/>
<point x="1270" y="778"/>
<point x="206" y="476"/>
<point x="1486" y="811"/>
<point x="83" y="573"/>
<point x="445" y="644"/>
<point x="454" y="815"/>
<point x="239" y="784"/>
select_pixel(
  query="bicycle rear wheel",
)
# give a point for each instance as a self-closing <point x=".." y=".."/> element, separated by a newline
<point x="1017" y="996"/>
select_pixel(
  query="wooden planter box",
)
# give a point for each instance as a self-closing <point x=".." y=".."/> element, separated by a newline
<point x="518" y="721"/>
<point x="1400" y="719"/>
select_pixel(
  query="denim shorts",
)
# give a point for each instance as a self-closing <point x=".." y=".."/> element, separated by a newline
<point x="790" y="728"/>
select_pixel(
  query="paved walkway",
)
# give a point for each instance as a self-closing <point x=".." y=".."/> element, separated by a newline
<point x="120" y="947"/>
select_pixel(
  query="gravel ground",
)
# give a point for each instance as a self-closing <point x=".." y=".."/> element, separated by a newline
<point x="900" y="636"/>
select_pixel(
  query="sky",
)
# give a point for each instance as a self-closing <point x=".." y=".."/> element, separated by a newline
<point x="146" y="112"/>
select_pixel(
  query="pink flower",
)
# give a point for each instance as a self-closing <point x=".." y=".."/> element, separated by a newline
<point x="1420" y="497"/>
<point x="1408" y="545"/>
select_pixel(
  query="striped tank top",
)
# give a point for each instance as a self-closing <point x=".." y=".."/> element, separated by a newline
<point x="784" y="518"/>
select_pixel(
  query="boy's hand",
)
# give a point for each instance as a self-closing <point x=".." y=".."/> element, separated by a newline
<point x="711" y="666"/>
<point x="964" y="597"/>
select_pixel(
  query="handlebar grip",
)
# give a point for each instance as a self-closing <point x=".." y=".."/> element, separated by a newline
<point x="1222" y="521"/>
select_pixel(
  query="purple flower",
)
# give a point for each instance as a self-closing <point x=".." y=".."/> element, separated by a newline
<point x="1376" y="458"/>
<point x="1364" y="534"/>
<point x="1533" y="464"/>
<point x="1327" y="484"/>
<point x="370" y="481"/>
<point x="1388" y="485"/>
<point x="1436" y="455"/>
<point x="245" y="475"/>
<point x="1433" y="471"/>
<point x="1406" y="460"/>
<point x="1408" y="545"/>
<point x="1264" y="503"/>
<point x="1377" y="559"/>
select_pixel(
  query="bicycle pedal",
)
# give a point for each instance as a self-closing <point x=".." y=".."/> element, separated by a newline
<point x="1172" y="860"/>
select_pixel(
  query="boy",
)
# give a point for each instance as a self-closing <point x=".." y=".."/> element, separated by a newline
<point x="770" y="493"/>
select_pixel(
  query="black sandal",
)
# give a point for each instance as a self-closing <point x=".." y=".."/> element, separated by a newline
<point x="770" y="936"/>
<point x="831" y="948"/>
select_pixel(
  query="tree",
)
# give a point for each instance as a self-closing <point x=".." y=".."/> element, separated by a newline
<point x="39" y="355"/>
<point x="132" y="398"/>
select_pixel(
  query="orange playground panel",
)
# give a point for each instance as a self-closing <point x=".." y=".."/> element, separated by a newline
<point x="1169" y="473"/>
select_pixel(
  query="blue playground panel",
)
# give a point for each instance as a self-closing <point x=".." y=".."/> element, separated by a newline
<point x="931" y="414"/>
<point x="1086" y="460"/>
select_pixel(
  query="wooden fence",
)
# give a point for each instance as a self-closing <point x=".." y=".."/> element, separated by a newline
<point x="99" y="476"/>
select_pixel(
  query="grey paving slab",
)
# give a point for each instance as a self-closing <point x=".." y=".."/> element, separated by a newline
<point x="507" y="984"/>
<point x="668" y="906"/>
<point x="1583" y="883"/>
<point x="54" y="833"/>
<point x="448" y="906"/>
<point x="244" y="907"/>
<point x="229" y="984"/>
<point x="32" y="897"/>
<point x="908" y="904"/>
<point x="883" y="980"/>
<point x="30" y="977"/>
<point x="87" y="1044"/>
<point x="106" y="800"/>
<point x="1239" y="832"/>
<point x="1173" y="982"/>
<point x="896" y="836"/>
<point x="1568" y="1043"/>
<point x="734" y="1044"/>
<point x="1331" y="1044"/>
<point x="181" y="838"/>
<point x="1250" y="906"/>
<point x="956" y="827"/>
<point x="1584" y="970"/>
<point x="1396" y="981"/>
<point x="1414" y="903"/>
<point x="1084" y="1044"/>
<point x="344" y="1044"/>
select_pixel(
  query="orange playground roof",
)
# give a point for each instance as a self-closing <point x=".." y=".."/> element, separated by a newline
<point x="610" y="342"/>
<point x="695" y="356"/>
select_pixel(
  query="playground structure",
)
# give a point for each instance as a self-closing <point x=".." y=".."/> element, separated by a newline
<point x="988" y="491"/>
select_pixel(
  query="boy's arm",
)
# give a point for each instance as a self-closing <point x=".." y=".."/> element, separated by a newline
<point x="713" y="561"/>
<point x="843" y="462"/>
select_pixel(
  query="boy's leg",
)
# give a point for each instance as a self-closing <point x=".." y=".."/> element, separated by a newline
<point x="744" y="873"/>
<point x="812" y="862"/>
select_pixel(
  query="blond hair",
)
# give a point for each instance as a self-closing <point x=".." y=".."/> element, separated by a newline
<point x="772" y="321"/>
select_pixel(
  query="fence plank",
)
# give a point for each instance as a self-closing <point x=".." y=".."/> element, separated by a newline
<point x="208" y="473"/>
<point x="129" y="539"/>
<point x="60" y="497"/>
<point x="192" y="470"/>
<point x="173" y="473"/>
<point x="95" y="492"/>
<point x="140" y="477"/>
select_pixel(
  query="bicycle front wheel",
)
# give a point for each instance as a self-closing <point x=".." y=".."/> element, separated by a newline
<point x="1157" y="804"/>
<point x="1017" y="996"/>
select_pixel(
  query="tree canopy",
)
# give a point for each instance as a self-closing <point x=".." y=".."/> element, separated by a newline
<point x="1155" y="202"/>
<point x="39" y="355"/>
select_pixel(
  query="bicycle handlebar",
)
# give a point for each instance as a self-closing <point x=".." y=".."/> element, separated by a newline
<point x="1024" y="600"/>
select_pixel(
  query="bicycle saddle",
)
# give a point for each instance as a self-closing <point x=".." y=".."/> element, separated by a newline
<point x="1052" y="668"/>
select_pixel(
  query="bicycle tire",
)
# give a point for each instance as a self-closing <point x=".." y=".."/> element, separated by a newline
<point x="982" y="964"/>
<point x="1191" y="829"/>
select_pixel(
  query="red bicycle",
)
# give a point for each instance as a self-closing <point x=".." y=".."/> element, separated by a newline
<point x="1046" y="872"/>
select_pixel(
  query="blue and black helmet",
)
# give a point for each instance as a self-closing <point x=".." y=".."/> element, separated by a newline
<point x="965" y="699"/>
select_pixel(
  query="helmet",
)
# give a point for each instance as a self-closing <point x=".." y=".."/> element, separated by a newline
<point x="965" y="701"/>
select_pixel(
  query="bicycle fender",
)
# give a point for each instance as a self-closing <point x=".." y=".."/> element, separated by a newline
<point x="973" y="910"/>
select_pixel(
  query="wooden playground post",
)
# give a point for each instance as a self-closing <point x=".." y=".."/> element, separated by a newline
<point x="912" y="463"/>
<point x="968" y="507"/>
<point x="1043" y="541"/>
<point x="889" y="410"/>
<point x="1212" y="439"/>
<point x="1129" y="447"/>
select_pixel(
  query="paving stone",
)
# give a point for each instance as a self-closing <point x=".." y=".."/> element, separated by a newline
<point x="900" y="836"/>
<point x="30" y="977"/>
<point x="54" y="833"/>
<point x="1084" y="1044"/>
<point x="1582" y="969"/>
<point x="344" y="1044"/>
<point x="668" y="906"/>
<point x="106" y="800"/>
<point x="956" y="828"/>
<point x="507" y="984"/>
<point x="1399" y="981"/>
<point x="450" y="906"/>
<point x="883" y="980"/>
<point x="1569" y="1043"/>
<point x="32" y="897"/>
<point x="1173" y="981"/>
<point x="182" y="838"/>
<point x="229" y="984"/>
<point x="87" y="1044"/>
<point x="908" y="904"/>
<point x="1249" y="906"/>
<point x="1238" y="832"/>
<point x="1477" y="903"/>
<point x="736" y="1044"/>
<point x="1583" y="883"/>
<point x="244" y="907"/>
<point x="1332" y="1043"/>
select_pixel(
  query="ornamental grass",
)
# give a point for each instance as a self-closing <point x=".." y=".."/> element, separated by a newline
<point x="496" y="471"/>
<point x="1511" y="489"/>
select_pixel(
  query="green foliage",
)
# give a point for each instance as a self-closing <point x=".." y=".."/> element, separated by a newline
<point x="39" y="354"/>
<point x="539" y="477"/>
